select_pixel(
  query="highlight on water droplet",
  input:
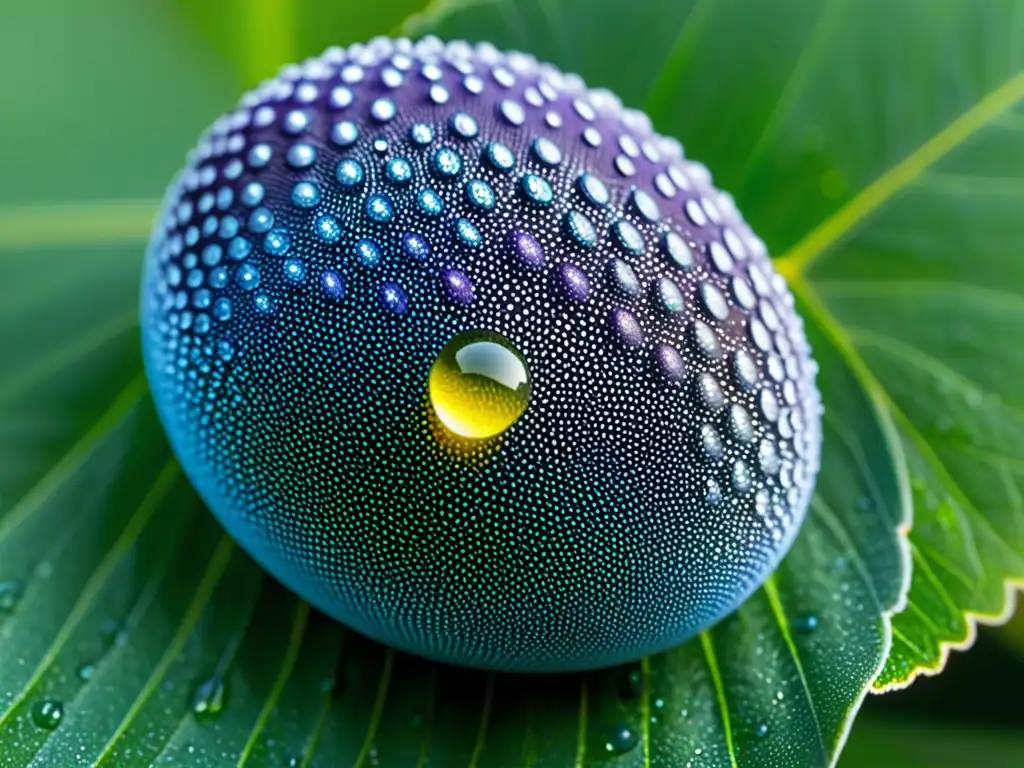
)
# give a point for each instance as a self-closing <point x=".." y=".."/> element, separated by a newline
<point x="622" y="740"/>
<point x="479" y="384"/>
<point x="762" y="729"/>
<point x="47" y="713"/>
<point x="208" y="697"/>
<point x="806" y="623"/>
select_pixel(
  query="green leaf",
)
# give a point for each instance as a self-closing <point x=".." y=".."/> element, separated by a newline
<point x="874" y="744"/>
<point x="890" y="185"/>
<point x="888" y="181"/>
<point x="260" y="36"/>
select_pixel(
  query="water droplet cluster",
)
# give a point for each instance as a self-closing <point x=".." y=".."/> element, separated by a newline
<point x="331" y="235"/>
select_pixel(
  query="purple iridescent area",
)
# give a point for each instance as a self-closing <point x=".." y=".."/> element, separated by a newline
<point x="392" y="297"/>
<point x="333" y="285"/>
<point x="527" y="249"/>
<point x="669" y="363"/>
<point x="457" y="286"/>
<point x="627" y="327"/>
<point x="574" y="281"/>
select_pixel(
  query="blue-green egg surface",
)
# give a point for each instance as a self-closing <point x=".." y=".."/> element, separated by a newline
<point x="474" y="361"/>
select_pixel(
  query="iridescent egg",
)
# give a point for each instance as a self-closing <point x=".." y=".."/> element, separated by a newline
<point x="474" y="361"/>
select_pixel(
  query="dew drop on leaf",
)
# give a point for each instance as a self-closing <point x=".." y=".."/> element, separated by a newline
<point x="762" y="729"/>
<point x="208" y="698"/>
<point x="108" y="629"/>
<point x="47" y="713"/>
<point x="85" y="672"/>
<point x="10" y="595"/>
<point x="807" y="623"/>
<point x="622" y="740"/>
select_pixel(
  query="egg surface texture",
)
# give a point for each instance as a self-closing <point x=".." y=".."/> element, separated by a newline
<point x="471" y="359"/>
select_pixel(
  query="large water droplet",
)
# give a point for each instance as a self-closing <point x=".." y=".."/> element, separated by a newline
<point x="208" y="697"/>
<point x="479" y="385"/>
<point x="622" y="740"/>
<point x="47" y="713"/>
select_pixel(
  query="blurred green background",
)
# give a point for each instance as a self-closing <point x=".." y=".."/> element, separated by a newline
<point x="99" y="102"/>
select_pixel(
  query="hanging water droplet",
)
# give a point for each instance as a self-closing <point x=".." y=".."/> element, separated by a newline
<point x="622" y="740"/>
<point x="807" y="623"/>
<point x="762" y="729"/>
<point x="47" y="713"/>
<point x="208" y="697"/>
<point x="479" y="384"/>
<point x="10" y="595"/>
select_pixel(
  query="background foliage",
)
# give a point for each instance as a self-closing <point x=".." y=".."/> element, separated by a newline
<point x="876" y="146"/>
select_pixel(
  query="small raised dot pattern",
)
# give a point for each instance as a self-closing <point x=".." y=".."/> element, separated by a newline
<point x="333" y="232"/>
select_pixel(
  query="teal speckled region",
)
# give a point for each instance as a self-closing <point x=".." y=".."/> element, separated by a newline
<point x="330" y="235"/>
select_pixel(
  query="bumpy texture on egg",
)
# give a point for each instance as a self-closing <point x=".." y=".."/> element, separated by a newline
<point x="335" y="231"/>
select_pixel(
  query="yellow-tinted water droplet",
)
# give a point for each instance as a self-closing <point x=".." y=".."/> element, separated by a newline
<point x="208" y="697"/>
<point x="479" y="385"/>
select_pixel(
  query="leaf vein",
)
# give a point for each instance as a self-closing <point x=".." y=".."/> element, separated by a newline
<point x="675" y="62"/>
<point x="291" y="656"/>
<point x="309" y="751"/>
<point x="791" y="89"/>
<point x="929" y="363"/>
<point x="428" y="720"/>
<point x="723" y="704"/>
<point x="204" y="591"/>
<point x="149" y="504"/>
<point x="795" y="261"/>
<point x="485" y="716"/>
<point x="378" y="706"/>
<point x="581" y="727"/>
<point x="779" y="614"/>
<point x="73" y="460"/>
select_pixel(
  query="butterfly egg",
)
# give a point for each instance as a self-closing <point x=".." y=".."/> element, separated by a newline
<point x="470" y="358"/>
